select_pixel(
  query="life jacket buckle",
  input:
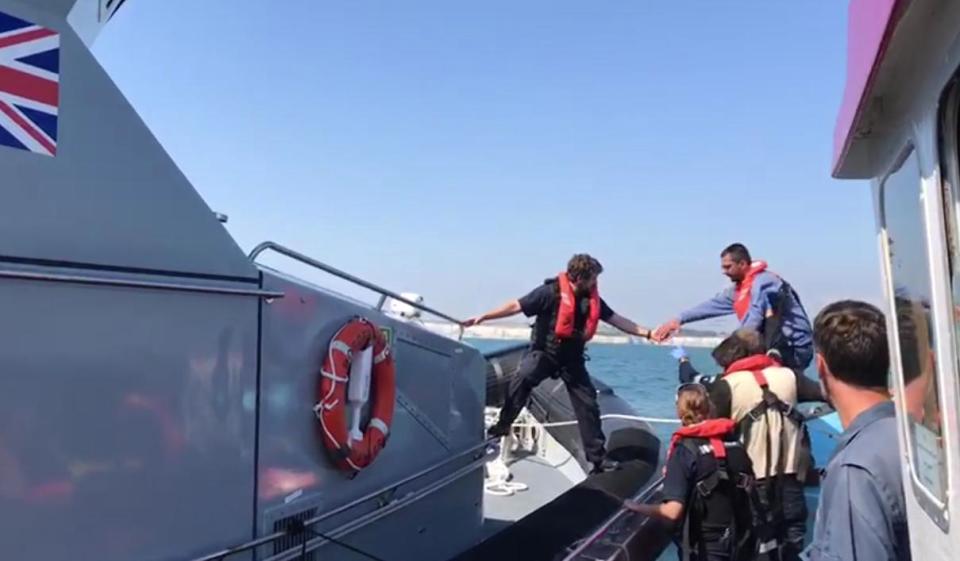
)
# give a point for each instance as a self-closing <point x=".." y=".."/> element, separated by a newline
<point x="703" y="489"/>
<point x="767" y="546"/>
<point x="707" y="485"/>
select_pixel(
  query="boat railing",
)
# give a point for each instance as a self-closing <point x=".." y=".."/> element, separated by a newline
<point x="383" y="292"/>
<point x="644" y="496"/>
<point x="478" y="454"/>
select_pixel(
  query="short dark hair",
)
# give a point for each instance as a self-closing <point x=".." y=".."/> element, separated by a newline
<point x="739" y="345"/>
<point x="738" y="252"/>
<point x="851" y="336"/>
<point x="582" y="267"/>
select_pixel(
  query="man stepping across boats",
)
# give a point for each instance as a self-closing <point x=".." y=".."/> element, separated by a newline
<point x="762" y="301"/>
<point x="568" y="309"/>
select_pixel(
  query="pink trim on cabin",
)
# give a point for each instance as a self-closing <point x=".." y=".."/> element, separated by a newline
<point x="869" y="28"/>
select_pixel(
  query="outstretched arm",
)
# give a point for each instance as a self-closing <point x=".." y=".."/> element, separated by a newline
<point x="671" y="511"/>
<point x="677" y="485"/>
<point x="719" y="305"/>
<point x="511" y="308"/>
<point x="628" y="327"/>
<point x="688" y="372"/>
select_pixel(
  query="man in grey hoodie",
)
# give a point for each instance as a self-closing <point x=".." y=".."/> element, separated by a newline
<point x="762" y="301"/>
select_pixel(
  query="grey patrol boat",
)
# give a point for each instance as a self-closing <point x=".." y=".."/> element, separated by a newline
<point x="162" y="392"/>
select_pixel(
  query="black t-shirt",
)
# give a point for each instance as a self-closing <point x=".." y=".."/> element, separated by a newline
<point x="681" y="475"/>
<point x="544" y="302"/>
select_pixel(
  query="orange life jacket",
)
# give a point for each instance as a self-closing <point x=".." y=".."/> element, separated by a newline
<point x="741" y="297"/>
<point x="755" y="363"/>
<point x="567" y="312"/>
<point x="713" y="430"/>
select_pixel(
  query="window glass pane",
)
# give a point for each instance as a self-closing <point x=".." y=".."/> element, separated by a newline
<point x="910" y="268"/>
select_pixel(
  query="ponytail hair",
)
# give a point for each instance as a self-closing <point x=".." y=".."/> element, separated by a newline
<point x="694" y="405"/>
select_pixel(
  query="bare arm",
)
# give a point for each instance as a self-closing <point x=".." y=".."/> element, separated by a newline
<point x="627" y="326"/>
<point x="670" y="511"/>
<point x="511" y="308"/>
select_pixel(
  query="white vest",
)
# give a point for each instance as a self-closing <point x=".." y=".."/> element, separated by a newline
<point x="745" y="394"/>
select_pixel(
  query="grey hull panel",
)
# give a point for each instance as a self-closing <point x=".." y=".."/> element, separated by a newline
<point x="127" y="422"/>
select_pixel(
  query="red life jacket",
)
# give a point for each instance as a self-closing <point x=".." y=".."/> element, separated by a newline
<point x="567" y="312"/>
<point x="713" y="430"/>
<point x="755" y="363"/>
<point x="741" y="296"/>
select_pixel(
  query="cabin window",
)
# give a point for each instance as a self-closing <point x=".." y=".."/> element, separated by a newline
<point x="918" y="369"/>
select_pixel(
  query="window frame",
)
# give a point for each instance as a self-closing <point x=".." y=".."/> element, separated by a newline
<point x="948" y="152"/>
<point x="937" y="509"/>
<point x="108" y="8"/>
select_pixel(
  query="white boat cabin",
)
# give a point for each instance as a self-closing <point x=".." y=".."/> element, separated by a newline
<point x="898" y="127"/>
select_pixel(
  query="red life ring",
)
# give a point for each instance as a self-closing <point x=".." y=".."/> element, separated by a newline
<point x="331" y="407"/>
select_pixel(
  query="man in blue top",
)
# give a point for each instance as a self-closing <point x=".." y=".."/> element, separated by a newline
<point x="761" y="301"/>
<point x="862" y="512"/>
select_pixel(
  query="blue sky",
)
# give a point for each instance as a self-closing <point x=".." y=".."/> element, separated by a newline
<point x="465" y="150"/>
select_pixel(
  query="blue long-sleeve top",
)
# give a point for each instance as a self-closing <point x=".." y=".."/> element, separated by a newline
<point x="763" y="294"/>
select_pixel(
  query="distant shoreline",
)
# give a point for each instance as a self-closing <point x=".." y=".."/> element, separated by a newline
<point x="522" y="333"/>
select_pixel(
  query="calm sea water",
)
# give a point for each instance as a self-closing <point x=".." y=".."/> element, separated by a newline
<point x="644" y="375"/>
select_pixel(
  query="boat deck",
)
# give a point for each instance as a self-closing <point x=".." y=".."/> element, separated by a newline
<point x="545" y="483"/>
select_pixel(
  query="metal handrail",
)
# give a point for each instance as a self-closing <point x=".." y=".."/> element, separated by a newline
<point x="487" y="446"/>
<point x="131" y="283"/>
<point x="642" y="496"/>
<point x="383" y="292"/>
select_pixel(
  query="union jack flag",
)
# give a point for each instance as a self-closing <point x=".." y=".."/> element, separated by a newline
<point x="29" y="85"/>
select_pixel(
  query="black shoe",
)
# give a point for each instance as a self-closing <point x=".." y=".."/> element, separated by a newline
<point x="497" y="431"/>
<point x="604" y="466"/>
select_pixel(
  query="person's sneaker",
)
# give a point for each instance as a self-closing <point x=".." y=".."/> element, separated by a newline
<point x="497" y="431"/>
<point x="604" y="466"/>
